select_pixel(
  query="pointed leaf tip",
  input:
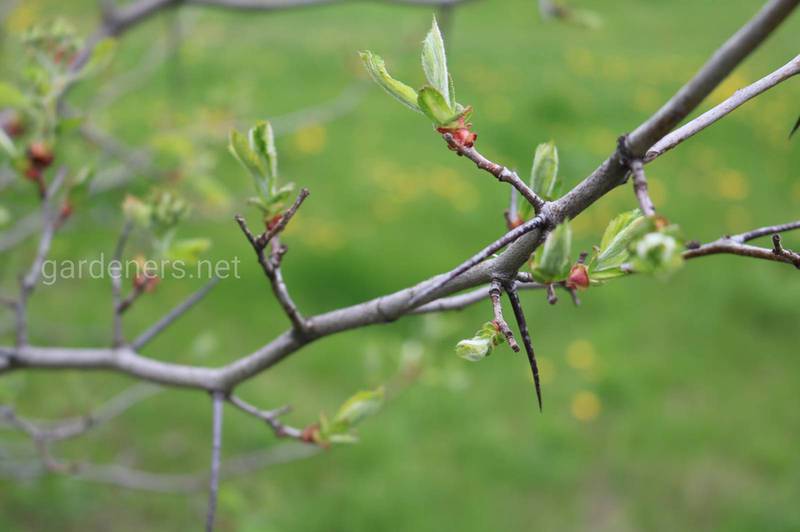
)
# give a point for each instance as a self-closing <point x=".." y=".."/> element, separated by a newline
<point x="434" y="63"/>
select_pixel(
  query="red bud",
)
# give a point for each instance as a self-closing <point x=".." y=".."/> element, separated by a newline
<point x="578" y="277"/>
<point x="40" y="154"/>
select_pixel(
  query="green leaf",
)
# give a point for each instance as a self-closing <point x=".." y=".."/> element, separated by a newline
<point x="10" y="96"/>
<point x="5" y="216"/>
<point x="434" y="106"/>
<point x="552" y="260"/>
<point x="358" y="407"/>
<point x="544" y="176"/>
<point x="188" y="250"/>
<point x="137" y="211"/>
<point x="544" y="172"/>
<point x="434" y="63"/>
<point x="621" y="232"/>
<point x="262" y="141"/>
<point x="399" y="90"/>
<point x="239" y="147"/>
<point x="482" y="344"/>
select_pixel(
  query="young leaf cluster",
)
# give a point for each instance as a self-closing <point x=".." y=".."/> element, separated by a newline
<point x="256" y="152"/>
<point x="356" y="409"/>
<point x="436" y="99"/>
<point x="482" y="344"/>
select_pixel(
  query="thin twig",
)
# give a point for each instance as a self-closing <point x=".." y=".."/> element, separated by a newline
<point x="31" y="278"/>
<point x="479" y="257"/>
<point x="116" y="283"/>
<point x="70" y="428"/>
<point x="502" y="173"/>
<point x="640" y="188"/>
<point x="216" y="445"/>
<point x="270" y="417"/>
<point x="174" y="314"/>
<point x="739" y="98"/>
<point x="764" y="231"/>
<point x="519" y="314"/>
<point x="495" y="291"/>
<point x="272" y="265"/>
<point x="787" y="254"/>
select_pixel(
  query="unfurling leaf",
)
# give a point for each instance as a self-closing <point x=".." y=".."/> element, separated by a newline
<point x="551" y="261"/>
<point x="262" y="140"/>
<point x="544" y="176"/>
<point x="359" y="406"/>
<point x="240" y="148"/>
<point x="433" y="104"/>
<point x="339" y="430"/>
<point x="615" y="245"/>
<point x="188" y="250"/>
<point x="482" y="344"/>
<point x="258" y="155"/>
<point x="544" y="172"/>
<point x="434" y="63"/>
<point x="137" y="211"/>
<point x="658" y="253"/>
<point x="399" y="90"/>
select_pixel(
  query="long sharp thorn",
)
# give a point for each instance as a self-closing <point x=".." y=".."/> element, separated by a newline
<point x="519" y="314"/>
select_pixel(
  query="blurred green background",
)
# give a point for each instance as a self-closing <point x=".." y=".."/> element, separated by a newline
<point x="667" y="406"/>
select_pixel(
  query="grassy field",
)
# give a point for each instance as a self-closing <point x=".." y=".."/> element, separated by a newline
<point x="667" y="406"/>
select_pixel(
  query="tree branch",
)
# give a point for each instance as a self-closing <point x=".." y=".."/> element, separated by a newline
<point x="31" y="278"/>
<point x="116" y="284"/>
<point x="711" y="116"/>
<point x="495" y="291"/>
<point x="270" y="417"/>
<point x="70" y="428"/>
<point x="502" y="173"/>
<point x="216" y="445"/>
<point x="272" y="264"/>
<point x="640" y="188"/>
<point x="174" y="314"/>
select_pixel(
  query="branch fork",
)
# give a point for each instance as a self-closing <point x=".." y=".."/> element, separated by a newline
<point x="271" y="263"/>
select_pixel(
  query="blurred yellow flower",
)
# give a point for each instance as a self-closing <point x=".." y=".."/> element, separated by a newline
<point x="732" y="185"/>
<point x="581" y="355"/>
<point x="585" y="406"/>
<point x="310" y="140"/>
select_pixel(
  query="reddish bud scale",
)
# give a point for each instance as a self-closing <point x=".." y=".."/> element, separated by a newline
<point x="516" y="222"/>
<point x="578" y="277"/>
<point x="145" y="282"/>
<point x="66" y="211"/>
<point x="461" y="133"/>
<point x="40" y="155"/>
<point x="272" y="222"/>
